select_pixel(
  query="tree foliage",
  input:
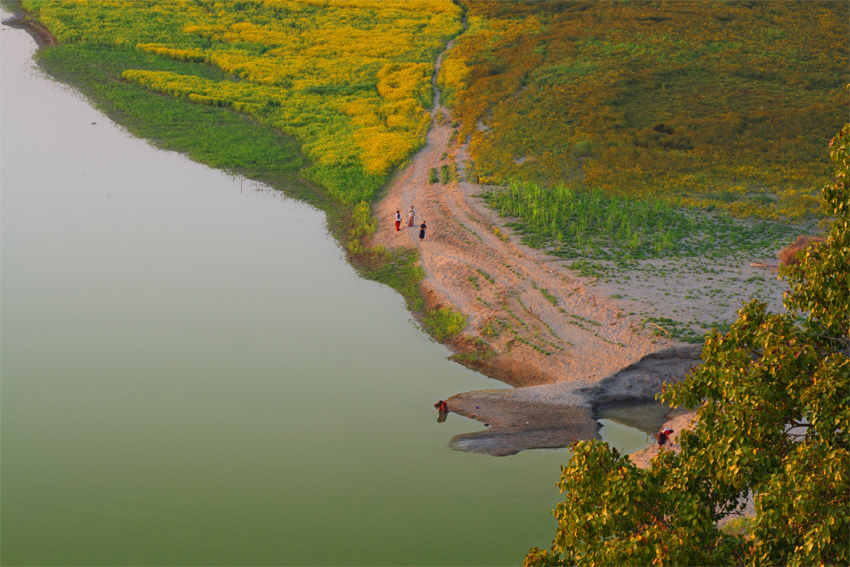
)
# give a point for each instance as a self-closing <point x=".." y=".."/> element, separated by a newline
<point x="773" y="399"/>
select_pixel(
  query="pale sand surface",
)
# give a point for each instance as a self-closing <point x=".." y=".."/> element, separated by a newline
<point x="587" y="334"/>
<point x="677" y="424"/>
<point x="559" y="354"/>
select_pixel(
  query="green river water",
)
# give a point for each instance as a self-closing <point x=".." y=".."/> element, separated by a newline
<point x="193" y="375"/>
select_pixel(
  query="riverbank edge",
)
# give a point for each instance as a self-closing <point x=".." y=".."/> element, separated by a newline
<point x="530" y="424"/>
<point x="389" y="269"/>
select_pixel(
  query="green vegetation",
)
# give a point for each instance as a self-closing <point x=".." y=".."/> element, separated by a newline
<point x="594" y="226"/>
<point x="444" y="323"/>
<point x="398" y="269"/>
<point x="432" y="176"/>
<point x="217" y="137"/>
<point x="485" y="275"/>
<point x="773" y="408"/>
<point x="362" y="224"/>
<point x="332" y="92"/>
<point x="445" y="174"/>
<point x="670" y="328"/>
<point x="714" y="103"/>
<point x="545" y="292"/>
<point x="349" y="80"/>
<point x="482" y="351"/>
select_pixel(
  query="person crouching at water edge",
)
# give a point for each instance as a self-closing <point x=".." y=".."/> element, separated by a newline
<point x="663" y="435"/>
<point x="397" y="221"/>
<point x="422" y="228"/>
<point x="410" y="215"/>
<point x="443" y="409"/>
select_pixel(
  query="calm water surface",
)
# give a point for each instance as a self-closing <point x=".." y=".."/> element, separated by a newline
<point x="192" y="374"/>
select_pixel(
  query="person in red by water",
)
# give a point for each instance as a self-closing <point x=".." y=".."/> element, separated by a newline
<point x="442" y="406"/>
<point x="662" y="436"/>
<point x="397" y="221"/>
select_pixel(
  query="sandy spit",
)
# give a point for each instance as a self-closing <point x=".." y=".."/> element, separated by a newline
<point x="557" y="338"/>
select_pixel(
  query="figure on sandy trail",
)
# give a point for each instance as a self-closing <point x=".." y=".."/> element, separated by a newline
<point x="397" y="220"/>
<point x="422" y="228"/>
<point x="410" y="214"/>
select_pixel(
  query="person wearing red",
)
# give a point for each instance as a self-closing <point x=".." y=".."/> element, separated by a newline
<point x="662" y="435"/>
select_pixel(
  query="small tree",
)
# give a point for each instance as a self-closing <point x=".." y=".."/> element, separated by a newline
<point x="774" y="409"/>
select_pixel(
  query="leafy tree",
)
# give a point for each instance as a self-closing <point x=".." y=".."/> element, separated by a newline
<point x="773" y="399"/>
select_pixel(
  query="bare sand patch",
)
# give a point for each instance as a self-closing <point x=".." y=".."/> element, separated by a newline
<point x="559" y="339"/>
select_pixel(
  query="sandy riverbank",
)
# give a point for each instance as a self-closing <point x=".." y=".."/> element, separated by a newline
<point x="562" y="341"/>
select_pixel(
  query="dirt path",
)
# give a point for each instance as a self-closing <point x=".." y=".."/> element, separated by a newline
<point x="531" y="325"/>
<point x="566" y="345"/>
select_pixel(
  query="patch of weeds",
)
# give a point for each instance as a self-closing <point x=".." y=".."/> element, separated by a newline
<point x="474" y="281"/>
<point x="362" y="224"/>
<point x="677" y="330"/>
<point x="482" y="351"/>
<point x="486" y="276"/>
<point x="432" y="176"/>
<point x="511" y="268"/>
<point x="489" y="330"/>
<point x="525" y="341"/>
<point x="722" y="327"/>
<point x="398" y="269"/>
<point x="499" y="234"/>
<point x="585" y="319"/>
<point x="514" y="317"/>
<point x="444" y="323"/>
<point x="475" y="234"/>
<point x="593" y="226"/>
<point x="545" y="292"/>
<point x="445" y="174"/>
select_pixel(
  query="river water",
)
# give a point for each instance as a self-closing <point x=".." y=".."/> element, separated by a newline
<point x="192" y="374"/>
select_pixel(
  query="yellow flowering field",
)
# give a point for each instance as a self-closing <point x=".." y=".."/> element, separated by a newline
<point x="723" y="104"/>
<point x="349" y="78"/>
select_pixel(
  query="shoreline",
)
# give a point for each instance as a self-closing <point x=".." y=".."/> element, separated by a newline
<point x="532" y="324"/>
<point x="563" y="343"/>
<point x="567" y="344"/>
<point x="20" y="20"/>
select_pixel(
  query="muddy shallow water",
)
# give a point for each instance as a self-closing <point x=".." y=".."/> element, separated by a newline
<point x="192" y="374"/>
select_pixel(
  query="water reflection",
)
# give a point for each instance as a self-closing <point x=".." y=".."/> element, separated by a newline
<point x="195" y="376"/>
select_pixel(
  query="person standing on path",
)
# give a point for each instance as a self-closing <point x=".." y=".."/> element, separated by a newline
<point x="410" y="214"/>
<point x="397" y="221"/>
<point x="422" y="228"/>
